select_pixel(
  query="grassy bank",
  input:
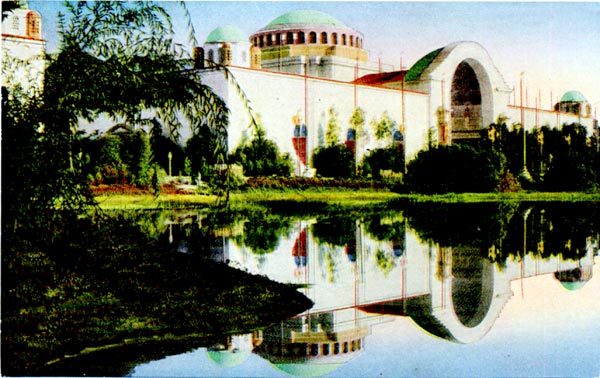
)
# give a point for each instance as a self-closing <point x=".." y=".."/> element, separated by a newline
<point x="105" y="286"/>
<point x="329" y="197"/>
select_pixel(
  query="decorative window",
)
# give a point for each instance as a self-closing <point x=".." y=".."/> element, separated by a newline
<point x="15" y="22"/>
<point x="352" y="40"/>
<point x="301" y="38"/>
<point x="398" y="137"/>
<point x="211" y="55"/>
<point x="323" y="38"/>
<point x="300" y="131"/>
<point x="344" y="39"/>
<point x="33" y="25"/>
<point x="334" y="38"/>
<point x="312" y="37"/>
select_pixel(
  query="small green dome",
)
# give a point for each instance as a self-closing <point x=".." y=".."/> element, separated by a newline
<point x="573" y="96"/>
<point x="226" y="34"/>
<point x="305" y="17"/>
<point x="307" y="369"/>
<point x="228" y="358"/>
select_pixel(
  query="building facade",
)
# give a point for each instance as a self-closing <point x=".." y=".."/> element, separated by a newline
<point x="304" y="64"/>
<point x="23" y="50"/>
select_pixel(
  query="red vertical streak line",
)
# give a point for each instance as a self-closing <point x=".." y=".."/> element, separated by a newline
<point x="444" y="136"/>
<point x="402" y="73"/>
<point x="522" y="273"/>
<point x="305" y="110"/>
<point x="443" y="252"/>
<point x="355" y="78"/>
<point x="536" y="112"/>
<point x="521" y="101"/>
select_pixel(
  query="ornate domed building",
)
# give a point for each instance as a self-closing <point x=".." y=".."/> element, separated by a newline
<point x="311" y="42"/>
<point x="575" y="103"/>
<point x="23" y="48"/>
<point x="304" y="65"/>
<point x="228" y="46"/>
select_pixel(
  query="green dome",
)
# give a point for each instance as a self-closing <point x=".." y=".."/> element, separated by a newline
<point x="573" y="286"/>
<point x="306" y="370"/>
<point x="226" y="34"/>
<point x="573" y="96"/>
<point x="304" y="17"/>
<point x="227" y="358"/>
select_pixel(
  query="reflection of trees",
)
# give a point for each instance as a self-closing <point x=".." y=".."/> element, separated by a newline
<point x="262" y="232"/>
<point x="450" y="225"/>
<point x="385" y="227"/>
<point x="502" y="229"/>
<point x="337" y="230"/>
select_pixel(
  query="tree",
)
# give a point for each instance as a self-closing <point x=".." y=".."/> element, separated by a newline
<point x="383" y="127"/>
<point x="455" y="168"/>
<point x="332" y="135"/>
<point x="357" y="123"/>
<point x="334" y="161"/>
<point x="261" y="157"/>
<point x="117" y="59"/>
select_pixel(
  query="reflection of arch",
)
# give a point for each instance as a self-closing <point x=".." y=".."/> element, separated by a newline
<point x="472" y="284"/>
<point x="445" y="293"/>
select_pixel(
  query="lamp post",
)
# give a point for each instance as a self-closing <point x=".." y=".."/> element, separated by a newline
<point x="170" y="158"/>
<point x="525" y="176"/>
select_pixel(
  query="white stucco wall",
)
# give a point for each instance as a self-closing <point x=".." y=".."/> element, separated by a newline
<point x="278" y="97"/>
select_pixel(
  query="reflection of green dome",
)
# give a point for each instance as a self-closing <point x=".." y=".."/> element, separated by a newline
<point x="307" y="370"/>
<point x="304" y="17"/>
<point x="573" y="96"/>
<point x="228" y="359"/>
<point x="226" y="34"/>
<point x="572" y="286"/>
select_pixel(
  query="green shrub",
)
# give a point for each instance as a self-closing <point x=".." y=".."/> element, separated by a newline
<point x="261" y="157"/>
<point x="383" y="159"/>
<point x="334" y="161"/>
<point x="456" y="168"/>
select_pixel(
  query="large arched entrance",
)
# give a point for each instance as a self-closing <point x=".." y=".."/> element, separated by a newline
<point x="465" y="93"/>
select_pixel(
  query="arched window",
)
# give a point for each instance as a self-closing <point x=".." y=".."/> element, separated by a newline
<point x="351" y="40"/>
<point x="357" y="42"/>
<point x="278" y="39"/>
<point x="323" y="38"/>
<point x="301" y="40"/>
<point x="289" y="38"/>
<point x="261" y="42"/>
<point x="312" y="37"/>
<point x="344" y="39"/>
<point x="255" y="41"/>
<point x="211" y="55"/>
<point x="269" y="39"/>
<point x="15" y="22"/>
<point x="334" y="38"/>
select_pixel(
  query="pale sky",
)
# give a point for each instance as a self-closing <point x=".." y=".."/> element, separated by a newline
<point x="555" y="44"/>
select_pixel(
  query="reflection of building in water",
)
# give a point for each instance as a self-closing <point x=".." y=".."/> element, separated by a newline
<point x="234" y="350"/>
<point x="574" y="279"/>
<point x="314" y="344"/>
<point x="453" y="293"/>
<point x="384" y="269"/>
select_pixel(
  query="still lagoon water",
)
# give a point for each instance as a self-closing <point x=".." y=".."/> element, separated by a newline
<point x="488" y="290"/>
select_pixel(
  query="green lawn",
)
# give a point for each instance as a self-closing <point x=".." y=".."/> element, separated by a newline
<point x="343" y="197"/>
